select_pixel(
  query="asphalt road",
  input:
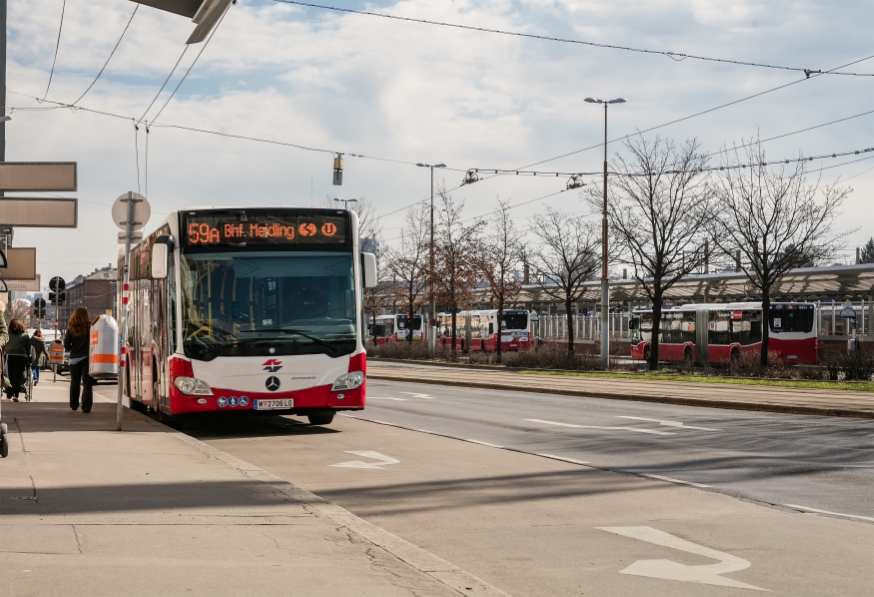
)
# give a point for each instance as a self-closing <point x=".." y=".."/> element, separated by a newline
<point x="825" y="463"/>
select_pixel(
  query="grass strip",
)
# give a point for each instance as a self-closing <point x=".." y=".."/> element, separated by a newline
<point x="785" y="383"/>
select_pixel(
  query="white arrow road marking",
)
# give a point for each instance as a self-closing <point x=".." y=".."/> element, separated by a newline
<point x="806" y="509"/>
<point x="668" y="423"/>
<point x="386" y="398"/>
<point x="383" y="460"/>
<point x="417" y="395"/>
<point x="707" y="574"/>
<point x="613" y="428"/>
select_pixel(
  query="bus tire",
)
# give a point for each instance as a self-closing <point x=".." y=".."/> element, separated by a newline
<point x="647" y="353"/>
<point x="735" y="355"/>
<point x="482" y="346"/>
<point x="321" y="419"/>
<point x="687" y="356"/>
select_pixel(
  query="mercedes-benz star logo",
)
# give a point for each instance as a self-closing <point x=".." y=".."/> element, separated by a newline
<point x="272" y="383"/>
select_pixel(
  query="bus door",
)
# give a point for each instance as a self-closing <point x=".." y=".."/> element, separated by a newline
<point x="702" y="333"/>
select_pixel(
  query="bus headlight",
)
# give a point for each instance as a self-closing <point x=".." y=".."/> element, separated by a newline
<point x="348" y="381"/>
<point x="192" y="386"/>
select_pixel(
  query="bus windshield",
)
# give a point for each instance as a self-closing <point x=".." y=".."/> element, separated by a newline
<point x="260" y="303"/>
<point x="403" y="322"/>
<point x="791" y="318"/>
<point x="515" y="321"/>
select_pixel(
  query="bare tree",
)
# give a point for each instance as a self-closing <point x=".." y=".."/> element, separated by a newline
<point x="567" y="257"/>
<point x="659" y="207"/>
<point x="17" y="308"/>
<point x="370" y="241"/>
<point x="499" y="253"/>
<point x="775" y="218"/>
<point x="455" y="248"/>
<point x="408" y="265"/>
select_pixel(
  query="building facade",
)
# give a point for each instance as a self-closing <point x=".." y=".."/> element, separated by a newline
<point x="95" y="291"/>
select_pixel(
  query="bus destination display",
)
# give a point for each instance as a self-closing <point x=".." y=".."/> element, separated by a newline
<point x="263" y="228"/>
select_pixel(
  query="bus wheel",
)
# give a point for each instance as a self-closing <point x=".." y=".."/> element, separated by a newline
<point x="735" y="356"/>
<point x="647" y="353"/>
<point x="687" y="356"/>
<point x="482" y="346"/>
<point x="322" y="419"/>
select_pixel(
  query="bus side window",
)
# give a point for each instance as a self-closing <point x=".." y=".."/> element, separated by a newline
<point x="755" y="328"/>
<point x="491" y="328"/>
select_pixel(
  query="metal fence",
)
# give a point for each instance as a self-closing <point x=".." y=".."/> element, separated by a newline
<point x="586" y="327"/>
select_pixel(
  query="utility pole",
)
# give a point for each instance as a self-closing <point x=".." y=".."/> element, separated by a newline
<point x="605" y="281"/>
<point x="432" y="315"/>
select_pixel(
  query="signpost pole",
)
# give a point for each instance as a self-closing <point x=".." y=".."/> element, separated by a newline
<point x="122" y="312"/>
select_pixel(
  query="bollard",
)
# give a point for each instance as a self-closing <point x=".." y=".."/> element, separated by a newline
<point x="103" y="351"/>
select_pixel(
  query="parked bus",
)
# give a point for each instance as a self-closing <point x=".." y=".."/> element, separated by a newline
<point x="726" y="331"/>
<point x="396" y="328"/>
<point x="514" y="333"/>
<point x="248" y="310"/>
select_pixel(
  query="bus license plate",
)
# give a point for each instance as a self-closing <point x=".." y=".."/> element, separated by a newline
<point x="274" y="404"/>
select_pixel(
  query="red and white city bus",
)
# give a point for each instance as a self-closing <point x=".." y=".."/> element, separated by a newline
<point x="514" y="334"/>
<point x="248" y="310"/>
<point x="396" y="328"/>
<point x="726" y="331"/>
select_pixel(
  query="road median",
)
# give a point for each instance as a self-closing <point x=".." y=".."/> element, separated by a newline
<point x="803" y="401"/>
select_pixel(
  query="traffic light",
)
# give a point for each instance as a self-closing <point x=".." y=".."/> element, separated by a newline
<point x="57" y="298"/>
<point x="57" y="294"/>
<point x="39" y="308"/>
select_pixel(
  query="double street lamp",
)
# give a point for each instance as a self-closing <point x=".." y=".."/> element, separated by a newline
<point x="605" y="283"/>
<point x="432" y="315"/>
<point x="346" y="202"/>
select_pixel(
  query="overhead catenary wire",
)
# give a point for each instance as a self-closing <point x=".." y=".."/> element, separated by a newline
<point x="191" y="66"/>
<point x="691" y="116"/>
<point x="676" y="56"/>
<point x="154" y="99"/>
<point x="111" y="54"/>
<point x="57" y="45"/>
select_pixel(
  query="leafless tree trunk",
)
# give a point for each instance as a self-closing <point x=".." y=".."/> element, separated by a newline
<point x="497" y="258"/>
<point x="568" y="256"/>
<point x="775" y="218"/>
<point x="409" y="264"/>
<point x="658" y="210"/>
<point x="455" y="250"/>
<point x="370" y="241"/>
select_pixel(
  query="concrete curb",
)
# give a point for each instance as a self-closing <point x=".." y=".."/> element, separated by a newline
<point x="796" y="409"/>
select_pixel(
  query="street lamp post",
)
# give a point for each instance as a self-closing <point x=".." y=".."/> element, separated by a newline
<point x="605" y="282"/>
<point x="431" y="304"/>
<point x="346" y="202"/>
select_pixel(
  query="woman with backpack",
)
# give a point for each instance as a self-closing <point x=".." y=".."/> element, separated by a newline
<point x="77" y="342"/>
<point x="17" y="357"/>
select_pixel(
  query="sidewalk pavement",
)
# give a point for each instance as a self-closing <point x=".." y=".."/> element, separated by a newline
<point x="87" y="510"/>
<point x="807" y="401"/>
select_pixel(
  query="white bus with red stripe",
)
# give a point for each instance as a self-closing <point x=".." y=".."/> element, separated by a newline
<point x="248" y="311"/>
<point x="397" y="328"/>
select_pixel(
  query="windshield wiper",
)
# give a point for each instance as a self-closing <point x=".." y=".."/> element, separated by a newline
<point x="329" y="345"/>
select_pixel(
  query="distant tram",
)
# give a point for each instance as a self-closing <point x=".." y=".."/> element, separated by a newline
<point x="726" y="331"/>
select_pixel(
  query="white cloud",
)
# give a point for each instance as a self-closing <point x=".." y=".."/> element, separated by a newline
<point x="413" y="92"/>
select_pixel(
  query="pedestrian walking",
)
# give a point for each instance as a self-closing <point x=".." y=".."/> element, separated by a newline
<point x="17" y="357"/>
<point x="77" y="342"/>
<point x="38" y="349"/>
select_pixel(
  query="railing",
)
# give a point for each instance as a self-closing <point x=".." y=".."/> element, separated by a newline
<point x="831" y="326"/>
<point x="587" y="328"/>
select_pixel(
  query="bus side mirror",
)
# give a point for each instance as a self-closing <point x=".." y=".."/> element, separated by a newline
<point x="159" y="261"/>
<point x="368" y="260"/>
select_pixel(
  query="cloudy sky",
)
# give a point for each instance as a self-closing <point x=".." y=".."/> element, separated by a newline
<point x="401" y="92"/>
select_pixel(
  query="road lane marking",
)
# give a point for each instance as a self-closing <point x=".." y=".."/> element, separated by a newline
<point x="382" y="458"/>
<point x="817" y="511"/>
<point x="605" y="427"/>
<point x="708" y="574"/>
<point x="476" y="441"/>
<point x="563" y="459"/>
<point x="672" y="480"/>
<point x="418" y="395"/>
<point x="668" y="423"/>
<point x="386" y="398"/>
